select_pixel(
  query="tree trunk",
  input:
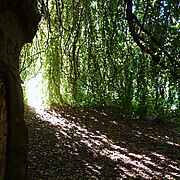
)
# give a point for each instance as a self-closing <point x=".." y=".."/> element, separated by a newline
<point x="18" y="25"/>
<point x="3" y="129"/>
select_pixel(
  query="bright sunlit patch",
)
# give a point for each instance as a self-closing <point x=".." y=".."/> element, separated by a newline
<point x="34" y="92"/>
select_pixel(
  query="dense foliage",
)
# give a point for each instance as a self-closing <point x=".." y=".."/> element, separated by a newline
<point x="115" y="53"/>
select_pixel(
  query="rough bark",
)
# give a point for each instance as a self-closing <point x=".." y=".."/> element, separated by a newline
<point x="3" y="129"/>
<point x="18" y="25"/>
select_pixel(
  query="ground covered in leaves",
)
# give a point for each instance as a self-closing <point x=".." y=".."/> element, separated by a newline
<point x="73" y="143"/>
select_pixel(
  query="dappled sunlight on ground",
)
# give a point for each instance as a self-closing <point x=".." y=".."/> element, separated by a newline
<point x="105" y="145"/>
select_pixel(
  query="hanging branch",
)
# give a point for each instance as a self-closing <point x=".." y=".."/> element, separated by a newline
<point x="146" y="13"/>
<point x="141" y="42"/>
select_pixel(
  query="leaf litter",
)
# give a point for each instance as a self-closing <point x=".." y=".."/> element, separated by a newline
<point x="75" y="143"/>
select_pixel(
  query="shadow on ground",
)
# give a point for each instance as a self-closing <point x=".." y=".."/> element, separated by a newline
<point x="85" y="143"/>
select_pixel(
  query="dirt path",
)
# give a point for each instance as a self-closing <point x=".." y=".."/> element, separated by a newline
<point x="73" y="143"/>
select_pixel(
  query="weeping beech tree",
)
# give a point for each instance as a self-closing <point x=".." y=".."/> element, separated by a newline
<point x="118" y="53"/>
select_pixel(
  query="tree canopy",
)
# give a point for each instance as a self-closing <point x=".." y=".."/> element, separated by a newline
<point x="114" y="53"/>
